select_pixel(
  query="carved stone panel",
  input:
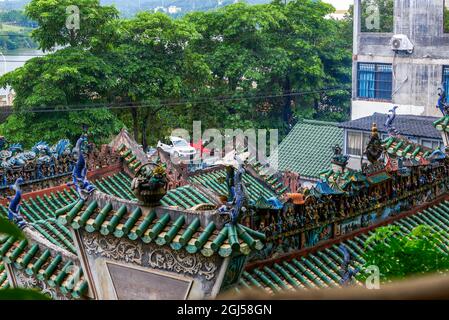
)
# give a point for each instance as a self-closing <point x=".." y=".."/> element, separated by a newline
<point x="138" y="284"/>
<point x="151" y="255"/>
<point x="30" y="282"/>
<point x="163" y="262"/>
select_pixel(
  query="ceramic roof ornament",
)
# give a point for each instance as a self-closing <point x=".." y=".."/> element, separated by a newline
<point x="14" y="205"/>
<point x="442" y="104"/>
<point x="79" y="175"/>
<point x="392" y="131"/>
<point x="150" y="183"/>
<point x="374" y="148"/>
<point x="347" y="273"/>
<point x="237" y="207"/>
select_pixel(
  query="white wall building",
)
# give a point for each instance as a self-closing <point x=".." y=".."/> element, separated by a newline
<point x="383" y="77"/>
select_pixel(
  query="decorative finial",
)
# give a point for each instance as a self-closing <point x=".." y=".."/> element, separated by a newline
<point x="442" y="104"/>
<point x="374" y="148"/>
<point x="389" y="123"/>
<point x="339" y="158"/>
<point x="79" y="175"/>
<point x="374" y="131"/>
<point x="150" y="183"/>
<point x="14" y="206"/>
<point x="236" y="206"/>
<point x="347" y="273"/>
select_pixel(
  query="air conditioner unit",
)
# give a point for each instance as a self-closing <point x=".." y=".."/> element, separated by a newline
<point x="401" y="43"/>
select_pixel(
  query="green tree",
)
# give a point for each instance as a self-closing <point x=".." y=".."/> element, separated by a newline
<point x="49" y="92"/>
<point x="237" y="67"/>
<point x="155" y="65"/>
<point x="95" y="23"/>
<point x="399" y="255"/>
<point x="280" y="48"/>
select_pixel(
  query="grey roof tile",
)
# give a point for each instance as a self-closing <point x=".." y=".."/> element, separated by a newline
<point x="408" y="125"/>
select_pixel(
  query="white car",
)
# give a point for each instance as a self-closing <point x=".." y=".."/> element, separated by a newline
<point x="177" y="147"/>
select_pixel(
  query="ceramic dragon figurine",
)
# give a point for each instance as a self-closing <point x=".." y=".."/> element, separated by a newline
<point x="237" y="207"/>
<point x="390" y="121"/>
<point x="442" y="104"/>
<point x="14" y="205"/>
<point x="347" y="273"/>
<point x="79" y="175"/>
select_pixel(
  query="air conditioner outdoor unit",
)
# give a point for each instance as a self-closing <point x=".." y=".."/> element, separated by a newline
<point x="401" y="43"/>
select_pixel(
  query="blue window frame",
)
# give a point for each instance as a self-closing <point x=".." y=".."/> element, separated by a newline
<point x="375" y="81"/>
<point x="446" y="81"/>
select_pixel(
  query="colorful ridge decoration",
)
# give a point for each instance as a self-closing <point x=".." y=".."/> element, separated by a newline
<point x="401" y="147"/>
<point x="321" y="269"/>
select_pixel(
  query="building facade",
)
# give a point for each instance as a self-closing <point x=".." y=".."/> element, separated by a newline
<point x="409" y="78"/>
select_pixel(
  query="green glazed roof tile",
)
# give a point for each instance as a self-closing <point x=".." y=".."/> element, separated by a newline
<point x="162" y="230"/>
<point x="307" y="149"/>
<point x="117" y="185"/>
<point x="46" y="267"/>
<point x="211" y="180"/>
<point x="322" y="268"/>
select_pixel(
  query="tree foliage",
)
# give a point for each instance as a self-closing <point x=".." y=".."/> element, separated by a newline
<point x="58" y="86"/>
<point x="10" y="229"/>
<point x="52" y="17"/>
<point x="399" y="255"/>
<point x="240" y="66"/>
<point x="269" y="52"/>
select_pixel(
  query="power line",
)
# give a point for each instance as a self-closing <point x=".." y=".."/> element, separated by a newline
<point x="118" y="106"/>
<point x="16" y="35"/>
<point x="130" y="104"/>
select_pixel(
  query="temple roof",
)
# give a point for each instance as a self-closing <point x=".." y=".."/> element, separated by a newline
<point x="185" y="197"/>
<point x="442" y="124"/>
<point x="39" y="211"/>
<point x="123" y="141"/>
<point x="272" y="180"/>
<point x="45" y="265"/>
<point x="131" y="159"/>
<point x="402" y="147"/>
<point x="162" y="226"/>
<point x="256" y="189"/>
<point x="307" y="149"/>
<point x="4" y="283"/>
<point x="119" y="185"/>
<point x="322" y="268"/>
